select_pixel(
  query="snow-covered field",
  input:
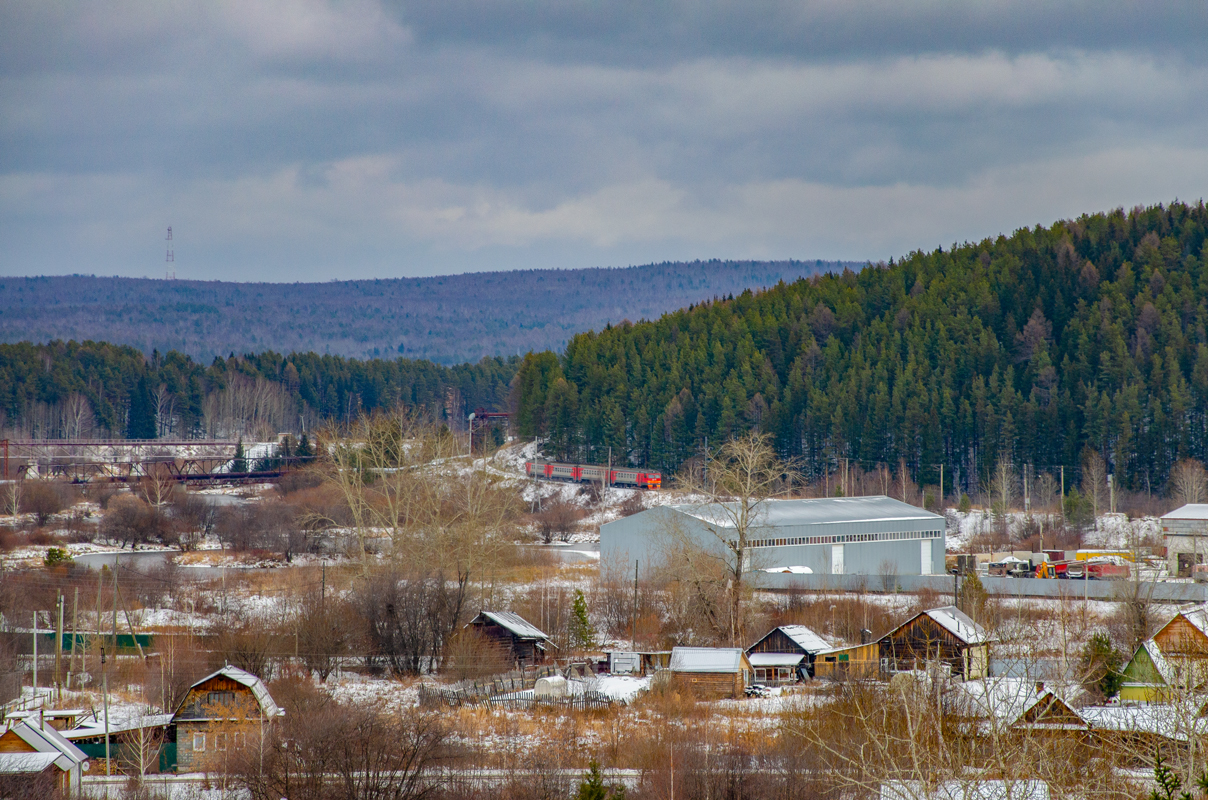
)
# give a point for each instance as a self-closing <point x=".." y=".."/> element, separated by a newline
<point x="1111" y="531"/>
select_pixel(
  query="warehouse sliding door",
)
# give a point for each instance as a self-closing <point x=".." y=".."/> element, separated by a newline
<point x="836" y="559"/>
<point x="926" y="554"/>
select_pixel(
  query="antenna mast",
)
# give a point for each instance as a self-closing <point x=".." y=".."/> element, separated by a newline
<point x="170" y="274"/>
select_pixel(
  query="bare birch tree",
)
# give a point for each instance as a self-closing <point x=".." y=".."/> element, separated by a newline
<point x="737" y="481"/>
<point x="1188" y="482"/>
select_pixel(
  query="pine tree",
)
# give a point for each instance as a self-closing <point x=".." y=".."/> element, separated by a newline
<point x="305" y="450"/>
<point x="239" y="462"/>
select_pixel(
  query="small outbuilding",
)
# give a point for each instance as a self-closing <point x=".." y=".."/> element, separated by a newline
<point x="1186" y="533"/>
<point x="1174" y="660"/>
<point x="710" y="672"/>
<point x="786" y="654"/>
<point x="946" y="635"/>
<point x="518" y="641"/>
<point x="33" y="757"/>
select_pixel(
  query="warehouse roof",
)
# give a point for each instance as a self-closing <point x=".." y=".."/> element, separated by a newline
<point x="1198" y="511"/>
<point x="821" y="511"/>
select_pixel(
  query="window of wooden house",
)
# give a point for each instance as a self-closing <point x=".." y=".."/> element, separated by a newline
<point x="239" y="740"/>
<point x="220" y="741"/>
<point x="199" y="742"/>
<point x="223" y="699"/>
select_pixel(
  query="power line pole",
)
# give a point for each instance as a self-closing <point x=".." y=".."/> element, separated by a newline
<point x="59" y="647"/>
<point x="634" y="631"/>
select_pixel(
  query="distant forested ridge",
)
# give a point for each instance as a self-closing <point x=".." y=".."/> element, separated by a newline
<point x="91" y="389"/>
<point x="1092" y="333"/>
<point x="449" y="319"/>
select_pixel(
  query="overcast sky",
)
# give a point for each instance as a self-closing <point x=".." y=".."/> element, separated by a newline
<point x="314" y="140"/>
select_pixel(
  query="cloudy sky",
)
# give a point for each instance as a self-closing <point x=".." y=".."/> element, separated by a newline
<point x="313" y="140"/>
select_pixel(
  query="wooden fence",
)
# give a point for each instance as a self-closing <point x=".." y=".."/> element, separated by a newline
<point x="501" y="692"/>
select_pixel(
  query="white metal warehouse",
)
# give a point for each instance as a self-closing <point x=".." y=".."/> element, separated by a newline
<point x="831" y="536"/>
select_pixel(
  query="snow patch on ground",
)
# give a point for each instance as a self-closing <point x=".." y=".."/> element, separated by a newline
<point x="1111" y="531"/>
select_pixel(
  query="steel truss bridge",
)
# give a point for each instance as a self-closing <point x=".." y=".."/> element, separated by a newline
<point x="97" y="460"/>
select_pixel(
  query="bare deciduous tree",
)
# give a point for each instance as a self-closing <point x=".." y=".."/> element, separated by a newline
<point x="737" y="481"/>
<point x="1188" y="482"/>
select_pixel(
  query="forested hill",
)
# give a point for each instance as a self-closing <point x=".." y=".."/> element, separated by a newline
<point x="449" y="319"/>
<point x="1088" y="334"/>
<point x="90" y="389"/>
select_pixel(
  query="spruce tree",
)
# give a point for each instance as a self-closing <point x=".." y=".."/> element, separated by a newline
<point x="140" y="419"/>
<point x="582" y="634"/>
<point x="239" y="462"/>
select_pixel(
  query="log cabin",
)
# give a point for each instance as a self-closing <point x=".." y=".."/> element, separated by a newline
<point x="945" y="635"/>
<point x="221" y="714"/>
<point x="710" y="672"/>
<point x="517" y="642"/>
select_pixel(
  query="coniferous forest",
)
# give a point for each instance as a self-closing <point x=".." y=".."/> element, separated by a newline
<point x="1029" y="349"/>
<point x="1033" y="349"/>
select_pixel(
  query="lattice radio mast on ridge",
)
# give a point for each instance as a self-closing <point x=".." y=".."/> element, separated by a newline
<point x="170" y="273"/>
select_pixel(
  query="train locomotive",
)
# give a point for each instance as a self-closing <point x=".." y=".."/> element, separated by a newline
<point x="586" y="473"/>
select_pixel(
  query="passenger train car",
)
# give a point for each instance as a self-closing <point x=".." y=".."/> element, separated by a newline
<point x="585" y="473"/>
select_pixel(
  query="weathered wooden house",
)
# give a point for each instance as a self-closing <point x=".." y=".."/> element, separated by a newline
<point x="785" y="654"/>
<point x="710" y="672"/>
<point x="34" y="759"/>
<point x="517" y="642"/>
<point x="855" y="661"/>
<point x="1173" y="662"/>
<point x="945" y="635"/>
<point x="222" y="713"/>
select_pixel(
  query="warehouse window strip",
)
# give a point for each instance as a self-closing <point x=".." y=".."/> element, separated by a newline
<point x="850" y="538"/>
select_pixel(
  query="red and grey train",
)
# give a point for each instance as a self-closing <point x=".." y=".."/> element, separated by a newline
<point x="586" y="473"/>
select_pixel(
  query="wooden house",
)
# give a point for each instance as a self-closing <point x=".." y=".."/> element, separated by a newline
<point x="33" y="758"/>
<point x="856" y="661"/>
<point x="786" y="654"/>
<point x="222" y="713"/>
<point x="1175" y="660"/>
<point x="517" y="642"/>
<point x="945" y="635"/>
<point x="710" y="672"/>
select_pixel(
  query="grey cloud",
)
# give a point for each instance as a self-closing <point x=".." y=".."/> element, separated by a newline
<point x="321" y="139"/>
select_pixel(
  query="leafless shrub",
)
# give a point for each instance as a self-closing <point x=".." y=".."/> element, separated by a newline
<point x="347" y="751"/>
<point x="558" y="519"/>
<point x="131" y="521"/>
<point x="43" y="499"/>
<point x="327" y="629"/>
<point x="409" y="618"/>
<point x="633" y="504"/>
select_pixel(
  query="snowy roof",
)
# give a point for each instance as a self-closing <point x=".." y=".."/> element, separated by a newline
<point x="819" y="511"/>
<point x="97" y="728"/>
<point x="25" y="763"/>
<point x="803" y="637"/>
<point x="1007" y="700"/>
<point x="966" y="790"/>
<point x="1161" y="719"/>
<point x="775" y="659"/>
<point x="706" y="659"/>
<point x="268" y="706"/>
<point x="49" y="741"/>
<point x="1196" y="511"/>
<point x="958" y="623"/>
<point x="514" y="623"/>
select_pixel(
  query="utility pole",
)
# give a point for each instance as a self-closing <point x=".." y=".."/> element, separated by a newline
<point x="75" y="637"/>
<point x="35" y="655"/>
<point x="1111" y="492"/>
<point x="59" y="647"/>
<point x="1063" y="492"/>
<point x="941" y="486"/>
<point x="105" y="692"/>
<point x="634" y="631"/>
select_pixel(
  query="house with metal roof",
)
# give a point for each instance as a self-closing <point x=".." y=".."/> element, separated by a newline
<point x="1185" y="531"/>
<point x="826" y="536"/>
<point x="33" y="755"/>
<point x="1173" y="661"/>
<point x="946" y="635"/>
<point x="516" y="641"/>
<point x="710" y="672"/>
<point x="220" y="715"/>
<point x="786" y="654"/>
